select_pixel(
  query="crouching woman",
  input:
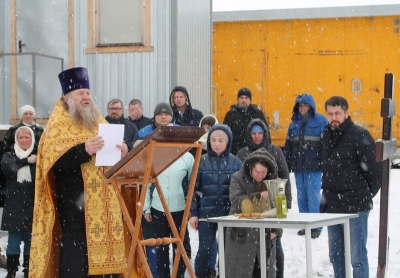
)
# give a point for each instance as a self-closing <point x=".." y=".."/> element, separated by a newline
<point x="242" y="253"/>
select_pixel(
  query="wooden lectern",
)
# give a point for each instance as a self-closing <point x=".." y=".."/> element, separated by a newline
<point x="142" y="165"/>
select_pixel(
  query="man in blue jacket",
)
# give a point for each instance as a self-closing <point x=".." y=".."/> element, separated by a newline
<point x="303" y="151"/>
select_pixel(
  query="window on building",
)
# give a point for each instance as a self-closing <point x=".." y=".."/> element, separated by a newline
<point x="118" y="26"/>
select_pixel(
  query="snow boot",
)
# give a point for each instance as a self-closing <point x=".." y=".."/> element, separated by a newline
<point x="280" y="265"/>
<point x="26" y="266"/>
<point x="12" y="265"/>
<point x="211" y="273"/>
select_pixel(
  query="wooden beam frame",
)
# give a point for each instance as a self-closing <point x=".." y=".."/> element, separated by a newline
<point x="13" y="40"/>
<point x="71" y="31"/>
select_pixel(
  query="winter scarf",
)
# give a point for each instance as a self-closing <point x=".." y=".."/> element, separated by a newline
<point x="24" y="173"/>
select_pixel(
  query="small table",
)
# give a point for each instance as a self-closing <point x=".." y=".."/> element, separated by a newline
<point x="306" y="221"/>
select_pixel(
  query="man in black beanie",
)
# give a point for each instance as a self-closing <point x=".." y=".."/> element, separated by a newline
<point x="240" y="115"/>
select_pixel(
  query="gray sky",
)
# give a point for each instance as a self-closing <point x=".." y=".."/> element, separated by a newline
<point x="239" y="5"/>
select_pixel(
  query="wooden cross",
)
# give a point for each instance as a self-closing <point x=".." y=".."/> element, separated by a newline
<point x="385" y="148"/>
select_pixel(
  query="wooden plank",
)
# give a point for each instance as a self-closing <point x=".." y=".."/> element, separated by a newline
<point x="71" y="30"/>
<point x="13" y="40"/>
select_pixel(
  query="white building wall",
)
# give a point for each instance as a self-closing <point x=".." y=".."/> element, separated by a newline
<point x="194" y="29"/>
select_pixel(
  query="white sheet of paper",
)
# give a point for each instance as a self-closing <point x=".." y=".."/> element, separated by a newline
<point x="112" y="134"/>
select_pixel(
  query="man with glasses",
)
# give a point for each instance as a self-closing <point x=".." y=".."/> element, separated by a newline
<point x="115" y="110"/>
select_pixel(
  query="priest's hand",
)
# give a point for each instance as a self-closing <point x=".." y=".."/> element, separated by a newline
<point x="93" y="145"/>
<point x="124" y="149"/>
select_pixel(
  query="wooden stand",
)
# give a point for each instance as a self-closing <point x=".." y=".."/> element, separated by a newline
<point x="141" y="166"/>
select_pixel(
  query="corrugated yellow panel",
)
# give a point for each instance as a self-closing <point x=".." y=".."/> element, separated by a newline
<point x="280" y="96"/>
<point x="227" y="64"/>
<point x="305" y="61"/>
<point x="385" y="58"/>
<point x="357" y="33"/>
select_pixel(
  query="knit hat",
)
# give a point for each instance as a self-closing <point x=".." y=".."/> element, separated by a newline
<point x="220" y="133"/>
<point x="163" y="107"/>
<point x="74" y="79"/>
<point x="256" y="128"/>
<point x="25" y="108"/>
<point x="244" y="92"/>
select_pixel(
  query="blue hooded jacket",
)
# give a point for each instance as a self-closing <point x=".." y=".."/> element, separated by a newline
<point x="303" y="146"/>
<point x="211" y="198"/>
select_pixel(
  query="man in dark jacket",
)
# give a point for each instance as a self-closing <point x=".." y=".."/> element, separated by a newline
<point x="239" y="116"/>
<point x="184" y="113"/>
<point x="351" y="178"/>
<point x="115" y="110"/>
<point x="257" y="136"/>
<point x="136" y="114"/>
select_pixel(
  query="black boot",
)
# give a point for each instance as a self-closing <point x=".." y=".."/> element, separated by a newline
<point x="211" y="273"/>
<point x="25" y="265"/>
<point x="280" y="265"/>
<point x="12" y="265"/>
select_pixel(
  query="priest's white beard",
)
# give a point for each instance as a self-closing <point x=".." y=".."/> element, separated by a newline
<point x="89" y="116"/>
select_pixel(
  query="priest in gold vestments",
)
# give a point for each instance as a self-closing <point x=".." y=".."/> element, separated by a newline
<point x="78" y="230"/>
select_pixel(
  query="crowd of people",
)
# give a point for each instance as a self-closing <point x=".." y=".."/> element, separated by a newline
<point x="70" y="222"/>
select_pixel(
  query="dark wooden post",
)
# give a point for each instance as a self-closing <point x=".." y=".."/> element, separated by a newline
<point x="385" y="148"/>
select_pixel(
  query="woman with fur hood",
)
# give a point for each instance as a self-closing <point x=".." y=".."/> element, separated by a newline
<point x="242" y="252"/>
<point x="257" y="136"/>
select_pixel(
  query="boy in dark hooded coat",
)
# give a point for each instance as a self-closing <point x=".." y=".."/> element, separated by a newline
<point x="184" y="113"/>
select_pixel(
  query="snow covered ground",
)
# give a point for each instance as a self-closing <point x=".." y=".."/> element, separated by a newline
<point x="294" y="245"/>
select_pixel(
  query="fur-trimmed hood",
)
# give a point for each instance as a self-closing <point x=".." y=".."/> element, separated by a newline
<point x="261" y="155"/>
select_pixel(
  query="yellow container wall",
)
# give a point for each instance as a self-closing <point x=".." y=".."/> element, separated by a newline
<point x="278" y="60"/>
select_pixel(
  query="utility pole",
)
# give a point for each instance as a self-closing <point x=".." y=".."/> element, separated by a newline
<point x="385" y="148"/>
